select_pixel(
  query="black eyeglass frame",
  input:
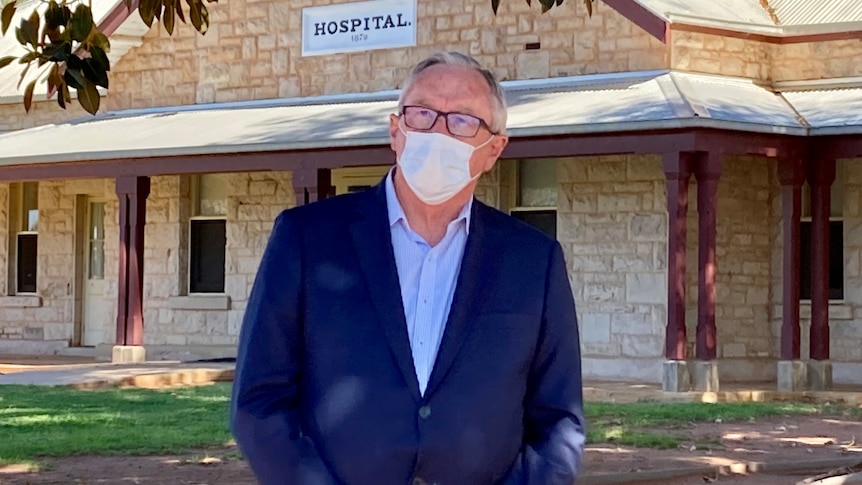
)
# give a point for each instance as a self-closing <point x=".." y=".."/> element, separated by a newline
<point x="445" y="115"/>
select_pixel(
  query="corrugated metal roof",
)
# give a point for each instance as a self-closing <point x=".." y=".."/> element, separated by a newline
<point x="128" y="35"/>
<point x="793" y="16"/>
<point x="811" y="12"/>
<point x="830" y="111"/>
<point x="583" y="104"/>
<point x="744" y="11"/>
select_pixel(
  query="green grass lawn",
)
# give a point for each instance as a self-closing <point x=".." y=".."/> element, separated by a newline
<point x="47" y="421"/>
<point x="652" y="424"/>
<point x="41" y="421"/>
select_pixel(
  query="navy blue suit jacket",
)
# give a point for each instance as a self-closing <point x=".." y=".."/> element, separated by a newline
<point x="325" y="390"/>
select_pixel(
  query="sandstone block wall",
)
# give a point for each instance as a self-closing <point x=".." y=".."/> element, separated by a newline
<point x="817" y="60"/>
<point x="254" y="200"/>
<point x="176" y="317"/>
<point x="763" y="61"/>
<point x="713" y="54"/>
<point x="252" y="51"/>
<point x="51" y="316"/>
<point x="612" y="224"/>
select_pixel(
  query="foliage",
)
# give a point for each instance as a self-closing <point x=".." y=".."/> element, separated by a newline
<point x="547" y="5"/>
<point x="62" y="35"/>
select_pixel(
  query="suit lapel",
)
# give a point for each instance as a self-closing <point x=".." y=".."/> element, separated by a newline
<point x="478" y="255"/>
<point x="371" y="236"/>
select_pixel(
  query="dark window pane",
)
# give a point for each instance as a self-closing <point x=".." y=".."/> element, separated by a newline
<point x="206" y="272"/>
<point x="27" y="250"/>
<point x="836" y="260"/>
<point x="543" y="220"/>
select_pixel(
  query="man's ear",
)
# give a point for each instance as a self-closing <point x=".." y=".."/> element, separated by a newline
<point x="495" y="149"/>
<point x="393" y="130"/>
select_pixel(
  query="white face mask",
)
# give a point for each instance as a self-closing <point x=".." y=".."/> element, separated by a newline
<point x="436" y="166"/>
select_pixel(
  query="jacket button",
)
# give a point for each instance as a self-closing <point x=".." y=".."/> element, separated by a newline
<point x="425" y="413"/>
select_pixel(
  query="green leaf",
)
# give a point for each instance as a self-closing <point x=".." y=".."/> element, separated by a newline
<point x="28" y="58"/>
<point x="58" y="52"/>
<point x="199" y="15"/>
<point x="35" y="21"/>
<point x="99" y="56"/>
<point x="64" y="96"/>
<point x="55" y="80"/>
<point x="88" y="96"/>
<point x="74" y="75"/>
<point x="5" y="61"/>
<point x="23" y="73"/>
<point x="94" y="70"/>
<point x="54" y="17"/>
<point x="28" y="95"/>
<point x="100" y="40"/>
<point x="147" y="9"/>
<point x="179" y="8"/>
<point x="6" y="15"/>
<point x="81" y="23"/>
<point x="168" y="17"/>
<point x="26" y="34"/>
<point x="205" y="16"/>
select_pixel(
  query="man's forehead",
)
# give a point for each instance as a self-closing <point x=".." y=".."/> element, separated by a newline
<point x="438" y="84"/>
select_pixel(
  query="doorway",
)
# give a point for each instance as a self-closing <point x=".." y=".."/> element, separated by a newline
<point x="96" y="313"/>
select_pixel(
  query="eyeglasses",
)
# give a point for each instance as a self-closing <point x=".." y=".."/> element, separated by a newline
<point x="458" y="124"/>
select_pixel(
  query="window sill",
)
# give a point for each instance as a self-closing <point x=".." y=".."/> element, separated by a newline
<point x="20" y="301"/>
<point x="200" y="302"/>
<point x="838" y="310"/>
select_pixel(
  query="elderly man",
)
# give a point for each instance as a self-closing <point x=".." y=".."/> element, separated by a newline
<point x="409" y="334"/>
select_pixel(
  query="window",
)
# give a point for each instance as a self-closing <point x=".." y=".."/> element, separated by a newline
<point x="96" y="242"/>
<point x="836" y="240"/>
<point x="27" y="237"/>
<point x="535" y="194"/>
<point x="207" y="235"/>
<point x="357" y="179"/>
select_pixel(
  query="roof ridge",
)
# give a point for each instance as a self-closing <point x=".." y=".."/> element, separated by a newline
<point x="771" y="11"/>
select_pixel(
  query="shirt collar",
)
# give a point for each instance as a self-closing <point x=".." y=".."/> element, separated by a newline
<point x="396" y="212"/>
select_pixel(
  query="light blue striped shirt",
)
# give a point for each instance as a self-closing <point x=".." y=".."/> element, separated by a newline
<point x="428" y="277"/>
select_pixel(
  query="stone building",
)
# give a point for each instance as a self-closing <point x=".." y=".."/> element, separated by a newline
<point x="700" y="162"/>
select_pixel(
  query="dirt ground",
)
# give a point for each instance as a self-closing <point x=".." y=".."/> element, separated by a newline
<point x="774" y="442"/>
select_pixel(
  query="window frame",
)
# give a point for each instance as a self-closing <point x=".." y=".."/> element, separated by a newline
<point x="22" y="222"/>
<point x="806" y="218"/>
<point x="513" y="169"/>
<point x="195" y="181"/>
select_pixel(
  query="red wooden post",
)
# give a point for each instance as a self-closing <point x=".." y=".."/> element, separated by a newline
<point x="791" y="175"/>
<point x="821" y="176"/>
<point x="306" y="186"/>
<point x="132" y="192"/>
<point x="707" y="172"/>
<point x="677" y="170"/>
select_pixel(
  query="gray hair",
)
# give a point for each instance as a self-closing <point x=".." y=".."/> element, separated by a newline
<point x="498" y="100"/>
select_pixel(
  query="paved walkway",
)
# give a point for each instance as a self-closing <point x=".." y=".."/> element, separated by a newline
<point x="85" y="373"/>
